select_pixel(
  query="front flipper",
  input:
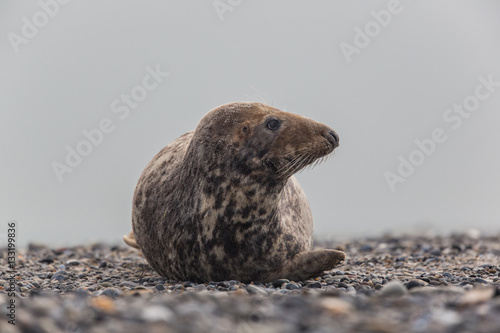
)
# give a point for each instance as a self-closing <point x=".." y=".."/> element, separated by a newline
<point x="310" y="264"/>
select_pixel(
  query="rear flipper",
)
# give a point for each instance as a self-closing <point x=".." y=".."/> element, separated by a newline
<point x="130" y="240"/>
<point x="310" y="264"/>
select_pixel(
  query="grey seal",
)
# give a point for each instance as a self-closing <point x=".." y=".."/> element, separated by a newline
<point x="221" y="202"/>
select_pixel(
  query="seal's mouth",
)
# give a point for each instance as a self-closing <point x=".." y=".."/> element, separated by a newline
<point x="271" y="166"/>
<point x="297" y="162"/>
<point x="284" y="161"/>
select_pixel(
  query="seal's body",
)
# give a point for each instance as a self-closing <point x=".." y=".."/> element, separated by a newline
<point x="220" y="202"/>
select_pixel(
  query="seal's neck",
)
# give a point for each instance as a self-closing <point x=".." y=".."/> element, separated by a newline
<point x="236" y="190"/>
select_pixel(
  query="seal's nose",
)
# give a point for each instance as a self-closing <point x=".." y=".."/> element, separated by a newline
<point x="333" y="138"/>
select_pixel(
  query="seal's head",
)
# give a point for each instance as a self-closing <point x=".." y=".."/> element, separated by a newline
<point x="263" y="140"/>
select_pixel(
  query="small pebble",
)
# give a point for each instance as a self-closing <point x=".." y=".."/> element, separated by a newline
<point x="47" y="260"/>
<point x="128" y="284"/>
<point x="280" y="282"/>
<point x="292" y="286"/>
<point x="477" y="296"/>
<point x="366" y="248"/>
<point x="480" y="281"/>
<point x="59" y="276"/>
<point x="314" y="285"/>
<point x="337" y="306"/>
<point x="154" y="313"/>
<point x="415" y="283"/>
<point x="111" y="292"/>
<point x="253" y="289"/>
<point x="73" y="262"/>
<point x="393" y="289"/>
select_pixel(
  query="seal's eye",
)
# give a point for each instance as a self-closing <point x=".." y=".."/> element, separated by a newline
<point x="273" y="124"/>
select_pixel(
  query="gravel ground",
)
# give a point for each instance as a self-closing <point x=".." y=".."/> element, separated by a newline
<point x="387" y="284"/>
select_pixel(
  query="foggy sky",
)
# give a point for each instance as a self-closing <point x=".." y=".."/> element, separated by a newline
<point x="382" y="81"/>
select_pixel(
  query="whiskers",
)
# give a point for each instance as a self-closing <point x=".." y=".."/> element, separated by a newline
<point x="262" y="104"/>
<point x="293" y="165"/>
<point x="302" y="159"/>
<point x="261" y="96"/>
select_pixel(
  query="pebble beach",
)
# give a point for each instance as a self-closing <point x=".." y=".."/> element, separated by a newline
<point x="386" y="284"/>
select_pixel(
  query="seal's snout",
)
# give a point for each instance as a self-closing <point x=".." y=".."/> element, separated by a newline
<point x="332" y="137"/>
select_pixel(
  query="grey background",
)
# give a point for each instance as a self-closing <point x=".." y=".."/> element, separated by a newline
<point x="287" y="53"/>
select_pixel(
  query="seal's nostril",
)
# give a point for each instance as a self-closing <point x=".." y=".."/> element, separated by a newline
<point x="333" y="138"/>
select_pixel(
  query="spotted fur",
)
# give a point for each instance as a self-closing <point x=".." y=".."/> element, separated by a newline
<point x="221" y="203"/>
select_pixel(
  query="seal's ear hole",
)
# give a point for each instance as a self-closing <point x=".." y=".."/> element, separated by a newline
<point x="245" y="129"/>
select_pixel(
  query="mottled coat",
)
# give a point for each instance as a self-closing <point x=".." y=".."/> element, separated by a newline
<point x="221" y="203"/>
